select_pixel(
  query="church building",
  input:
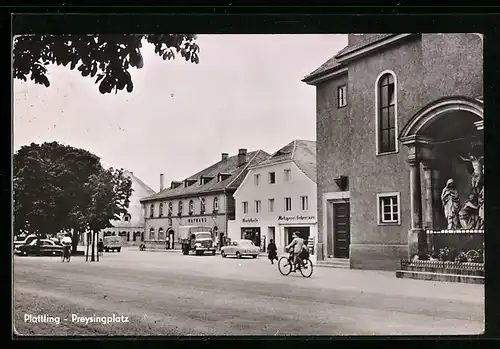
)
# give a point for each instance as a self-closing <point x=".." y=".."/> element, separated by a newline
<point x="398" y="117"/>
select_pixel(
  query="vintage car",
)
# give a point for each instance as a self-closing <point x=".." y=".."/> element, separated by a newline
<point x="240" y="248"/>
<point x="46" y="248"/>
<point x="25" y="241"/>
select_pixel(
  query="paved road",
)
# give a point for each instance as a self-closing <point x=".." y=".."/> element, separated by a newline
<point x="171" y="294"/>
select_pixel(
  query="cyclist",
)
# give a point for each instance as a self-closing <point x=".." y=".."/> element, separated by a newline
<point x="66" y="242"/>
<point x="297" y="244"/>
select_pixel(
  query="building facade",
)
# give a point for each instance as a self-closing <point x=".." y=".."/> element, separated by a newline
<point x="204" y="199"/>
<point x="278" y="197"/>
<point x="398" y="115"/>
<point x="130" y="226"/>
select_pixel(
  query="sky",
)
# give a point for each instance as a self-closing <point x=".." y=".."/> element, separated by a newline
<point x="246" y="92"/>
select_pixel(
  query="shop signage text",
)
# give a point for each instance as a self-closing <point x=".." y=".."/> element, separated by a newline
<point x="295" y="218"/>
<point x="249" y="220"/>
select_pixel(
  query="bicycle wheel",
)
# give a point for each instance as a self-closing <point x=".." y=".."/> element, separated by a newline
<point x="284" y="266"/>
<point x="306" y="268"/>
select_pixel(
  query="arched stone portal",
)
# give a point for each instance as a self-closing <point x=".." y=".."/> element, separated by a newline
<point x="436" y="137"/>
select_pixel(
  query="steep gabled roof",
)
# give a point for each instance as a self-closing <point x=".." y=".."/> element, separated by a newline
<point x="304" y="157"/>
<point x="227" y="166"/>
<point x="141" y="183"/>
<point x="301" y="152"/>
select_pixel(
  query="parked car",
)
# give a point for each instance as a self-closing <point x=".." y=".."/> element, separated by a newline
<point x="27" y="240"/>
<point x="240" y="248"/>
<point x="112" y="243"/>
<point x="47" y="248"/>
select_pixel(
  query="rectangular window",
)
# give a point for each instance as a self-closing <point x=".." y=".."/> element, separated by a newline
<point x="288" y="204"/>
<point x="342" y="96"/>
<point x="288" y="175"/>
<point x="257" y="206"/>
<point x="245" y="206"/>
<point x="272" y="177"/>
<point x="271" y="205"/>
<point x="388" y="208"/>
<point x="304" y="203"/>
<point x="257" y="179"/>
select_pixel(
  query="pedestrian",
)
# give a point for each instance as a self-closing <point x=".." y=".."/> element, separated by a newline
<point x="168" y="242"/>
<point x="100" y="247"/>
<point x="271" y="251"/>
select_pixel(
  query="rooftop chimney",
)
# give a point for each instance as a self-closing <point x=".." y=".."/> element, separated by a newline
<point x="225" y="156"/>
<point x="242" y="156"/>
<point x="161" y="181"/>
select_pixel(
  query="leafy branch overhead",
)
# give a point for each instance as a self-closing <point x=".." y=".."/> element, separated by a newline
<point x="105" y="58"/>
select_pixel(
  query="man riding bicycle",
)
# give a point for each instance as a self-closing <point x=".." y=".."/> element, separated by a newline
<point x="297" y="244"/>
<point x="66" y="243"/>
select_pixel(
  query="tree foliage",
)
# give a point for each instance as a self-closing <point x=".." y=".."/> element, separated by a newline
<point x="58" y="187"/>
<point x="105" y="58"/>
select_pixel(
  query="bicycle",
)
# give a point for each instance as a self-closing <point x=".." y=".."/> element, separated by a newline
<point x="285" y="265"/>
<point x="66" y="254"/>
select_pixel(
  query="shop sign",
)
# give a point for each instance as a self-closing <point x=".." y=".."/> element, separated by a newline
<point x="249" y="220"/>
<point x="295" y="218"/>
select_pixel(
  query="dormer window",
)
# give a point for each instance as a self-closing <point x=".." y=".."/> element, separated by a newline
<point x="126" y="218"/>
<point x="223" y="176"/>
<point x="189" y="182"/>
<point x="205" y="179"/>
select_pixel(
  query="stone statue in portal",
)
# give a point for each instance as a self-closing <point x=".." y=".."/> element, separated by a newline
<point x="469" y="214"/>
<point x="451" y="204"/>
<point x="474" y="166"/>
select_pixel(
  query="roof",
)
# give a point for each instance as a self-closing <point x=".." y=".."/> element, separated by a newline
<point x="329" y="65"/>
<point x="333" y="64"/>
<point x="229" y="166"/>
<point x="301" y="152"/>
<point x="141" y="183"/>
<point x="367" y="40"/>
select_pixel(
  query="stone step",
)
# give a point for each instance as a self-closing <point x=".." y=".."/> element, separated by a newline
<point x="429" y="276"/>
<point x="334" y="263"/>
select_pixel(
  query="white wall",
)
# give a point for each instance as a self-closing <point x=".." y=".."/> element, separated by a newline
<point x="299" y="185"/>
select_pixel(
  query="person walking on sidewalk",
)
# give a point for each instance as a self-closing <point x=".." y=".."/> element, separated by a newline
<point x="271" y="251"/>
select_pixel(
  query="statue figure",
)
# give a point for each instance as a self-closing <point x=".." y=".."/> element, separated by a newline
<point x="451" y="204"/>
<point x="468" y="215"/>
<point x="474" y="166"/>
<point x="480" y="201"/>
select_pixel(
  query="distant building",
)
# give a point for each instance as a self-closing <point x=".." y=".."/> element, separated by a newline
<point x="130" y="227"/>
<point x="395" y="114"/>
<point x="278" y="197"/>
<point x="203" y="199"/>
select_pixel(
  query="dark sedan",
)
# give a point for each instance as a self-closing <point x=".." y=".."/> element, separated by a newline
<point x="46" y="248"/>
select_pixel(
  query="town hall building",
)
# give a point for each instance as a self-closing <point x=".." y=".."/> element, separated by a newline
<point x="399" y="145"/>
<point x="203" y="199"/>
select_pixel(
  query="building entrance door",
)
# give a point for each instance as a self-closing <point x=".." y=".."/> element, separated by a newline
<point x="341" y="231"/>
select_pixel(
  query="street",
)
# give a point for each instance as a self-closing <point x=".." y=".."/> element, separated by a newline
<point x="164" y="293"/>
